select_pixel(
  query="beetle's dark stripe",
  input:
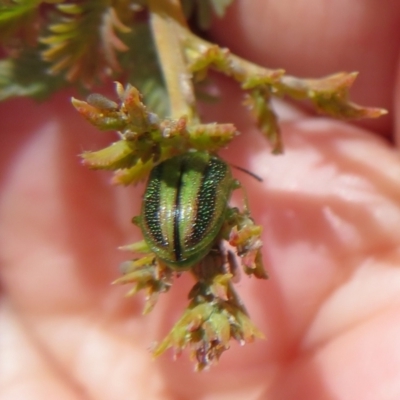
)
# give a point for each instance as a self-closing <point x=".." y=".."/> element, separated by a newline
<point x="206" y="200"/>
<point x="177" y="214"/>
<point x="151" y="212"/>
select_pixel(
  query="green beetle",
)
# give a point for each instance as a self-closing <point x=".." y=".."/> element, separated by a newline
<point x="184" y="207"/>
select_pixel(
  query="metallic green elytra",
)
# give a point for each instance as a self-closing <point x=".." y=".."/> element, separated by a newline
<point x="184" y="207"/>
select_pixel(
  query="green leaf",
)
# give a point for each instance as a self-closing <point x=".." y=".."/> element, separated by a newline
<point x="120" y="154"/>
<point x="201" y="10"/>
<point x="258" y="101"/>
<point x="15" y="15"/>
<point x="204" y="14"/>
<point x="83" y="39"/>
<point x="220" y="6"/>
<point x="27" y="76"/>
<point x="330" y="95"/>
<point x="141" y="64"/>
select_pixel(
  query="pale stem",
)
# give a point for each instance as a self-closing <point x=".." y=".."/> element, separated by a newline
<point x="167" y="21"/>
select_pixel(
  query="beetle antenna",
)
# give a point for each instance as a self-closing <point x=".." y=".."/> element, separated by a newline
<point x="259" y="179"/>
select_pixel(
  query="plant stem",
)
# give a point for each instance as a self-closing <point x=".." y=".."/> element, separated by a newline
<point x="167" y="21"/>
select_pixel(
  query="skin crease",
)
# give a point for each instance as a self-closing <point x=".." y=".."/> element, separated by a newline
<point x="330" y="208"/>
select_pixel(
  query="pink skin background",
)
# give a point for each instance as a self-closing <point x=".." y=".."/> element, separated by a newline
<point x="330" y="208"/>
